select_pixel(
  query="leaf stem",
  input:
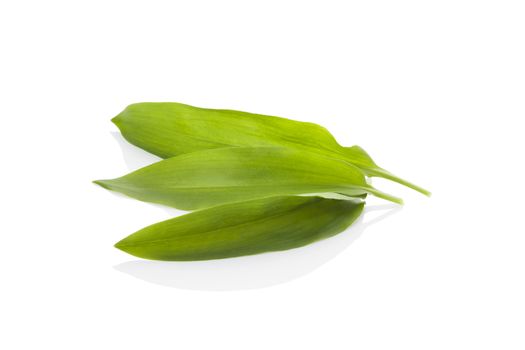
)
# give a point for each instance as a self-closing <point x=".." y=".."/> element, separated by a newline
<point x="383" y="195"/>
<point x="379" y="172"/>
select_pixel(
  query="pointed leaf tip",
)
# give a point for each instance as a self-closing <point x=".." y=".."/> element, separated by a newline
<point x="116" y="120"/>
<point x="120" y="245"/>
<point x="103" y="183"/>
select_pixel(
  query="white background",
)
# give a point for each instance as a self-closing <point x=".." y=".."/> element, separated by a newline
<point x="434" y="90"/>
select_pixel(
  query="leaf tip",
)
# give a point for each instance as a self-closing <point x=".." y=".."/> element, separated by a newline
<point x="116" y="120"/>
<point x="126" y="246"/>
<point x="120" y="245"/>
<point x="103" y="183"/>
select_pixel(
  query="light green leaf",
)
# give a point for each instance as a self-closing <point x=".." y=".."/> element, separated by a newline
<point x="170" y="129"/>
<point x="203" y="179"/>
<point x="245" y="228"/>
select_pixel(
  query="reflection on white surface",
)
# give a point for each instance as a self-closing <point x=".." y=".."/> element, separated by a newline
<point x="134" y="157"/>
<point x="255" y="271"/>
<point x="249" y="272"/>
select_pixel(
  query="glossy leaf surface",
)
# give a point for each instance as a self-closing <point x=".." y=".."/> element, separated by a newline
<point x="170" y="129"/>
<point x="245" y="228"/>
<point x="203" y="179"/>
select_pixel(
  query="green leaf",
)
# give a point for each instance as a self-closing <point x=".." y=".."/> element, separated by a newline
<point x="203" y="179"/>
<point x="170" y="129"/>
<point x="245" y="228"/>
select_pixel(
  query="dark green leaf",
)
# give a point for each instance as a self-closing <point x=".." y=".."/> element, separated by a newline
<point x="245" y="228"/>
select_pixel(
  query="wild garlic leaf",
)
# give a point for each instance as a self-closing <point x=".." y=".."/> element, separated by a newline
<point x="207" y="178"/>
<point x="170" y="129"/>
<point x="245" y="228"/>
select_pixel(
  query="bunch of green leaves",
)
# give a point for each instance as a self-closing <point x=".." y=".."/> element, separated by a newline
<point x="250" y="177"/>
